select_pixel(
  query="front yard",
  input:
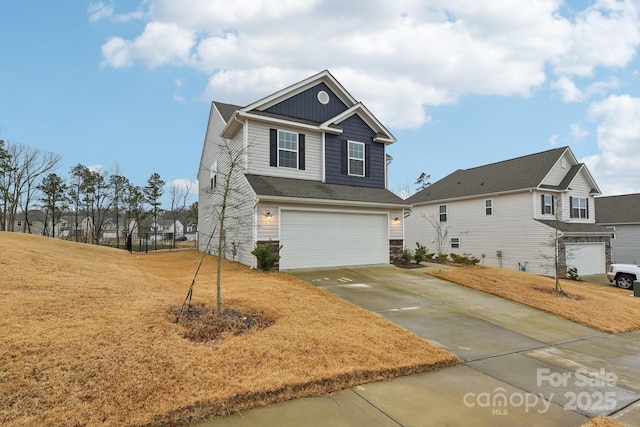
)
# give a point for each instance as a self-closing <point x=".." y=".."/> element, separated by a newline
<point x="87" y="338"/>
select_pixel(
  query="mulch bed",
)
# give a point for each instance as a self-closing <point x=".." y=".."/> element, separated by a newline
<point x="407" y="266"/>
<point x="202" y="324"/>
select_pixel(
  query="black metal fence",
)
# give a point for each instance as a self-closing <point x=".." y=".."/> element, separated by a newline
<point x="150" y="241"/>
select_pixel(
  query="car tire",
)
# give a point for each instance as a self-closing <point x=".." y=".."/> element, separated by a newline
<point x="624" y="281"/>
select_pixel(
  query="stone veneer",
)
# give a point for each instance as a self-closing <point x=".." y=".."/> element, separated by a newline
<point x="395" y="250"/>
<point x="562" y="250"/>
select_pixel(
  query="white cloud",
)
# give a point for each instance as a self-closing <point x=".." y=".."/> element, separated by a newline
<point x="398" y="57"/>
<point x="568" y="90"/>
<point x="185" y="184"/>
<point x="98" y="11"/>
<point x="617" y="167"/>
<point x="577" y="133"/>
<point x="553" y="140"/>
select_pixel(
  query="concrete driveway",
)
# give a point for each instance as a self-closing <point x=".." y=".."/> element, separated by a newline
<point x="520" y="366"/>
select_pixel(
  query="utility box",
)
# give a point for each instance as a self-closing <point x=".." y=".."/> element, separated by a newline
<point x="636" y="288"/>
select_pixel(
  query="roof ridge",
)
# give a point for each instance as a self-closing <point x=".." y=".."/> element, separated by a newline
<point x="515" y="158"/>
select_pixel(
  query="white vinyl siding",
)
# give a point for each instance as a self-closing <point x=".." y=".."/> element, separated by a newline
<point x="259" y="151"/>
<point x="625" y="248"/>
<point x="557" y="172"/>
<point x="511" y="229"/>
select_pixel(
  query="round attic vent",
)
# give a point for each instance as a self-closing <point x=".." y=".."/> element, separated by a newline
<point x="323" y="97"/>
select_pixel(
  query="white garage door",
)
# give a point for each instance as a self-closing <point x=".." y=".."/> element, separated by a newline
<point x="332" y="239"/>
<point x="588" y="258"/>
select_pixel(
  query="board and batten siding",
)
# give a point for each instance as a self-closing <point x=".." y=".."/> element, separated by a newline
<point x="306" y="105"/>
<point x="511" y="229"/>
<point x="258" y="161"/>
<point x="355" y="129"/>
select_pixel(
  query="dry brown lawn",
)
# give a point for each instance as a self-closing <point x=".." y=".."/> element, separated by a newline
<point x="606" y="308"/>
<point x="602" y="422"/>
<point x="87" y="338"/>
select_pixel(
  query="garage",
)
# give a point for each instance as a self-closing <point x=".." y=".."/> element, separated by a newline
<point x="315" y="239"/>
<point x="588" y="258"/>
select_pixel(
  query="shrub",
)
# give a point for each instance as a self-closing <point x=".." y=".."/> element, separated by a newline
<point x="420" y="253"/>
<point x="406" y="257"/>
<point x="442" y="257"/>
<point x="464" y="259"/>
<point x="266" y="255"/>
<point x="572" y="273"/>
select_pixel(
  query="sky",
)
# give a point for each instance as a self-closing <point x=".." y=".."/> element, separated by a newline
<point x="126" y="86"/>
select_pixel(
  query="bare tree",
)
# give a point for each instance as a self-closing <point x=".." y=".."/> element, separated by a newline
<point x="23" y="167"/>
<point x="178" y="197"/>
<point x="442" y="232"/>
<point x="227" y="197"/>
<point x="119" y="186"/>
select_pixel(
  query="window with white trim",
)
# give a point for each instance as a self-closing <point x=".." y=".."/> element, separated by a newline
<point x="488" y="207"/>
<point x="547" y="204"/>
<point x="443" y="213"/>
<point x="356" y="158"/>
<point x="287" y="149"/>
<point x="579" y="207"/>
<point x="455" y="242"/>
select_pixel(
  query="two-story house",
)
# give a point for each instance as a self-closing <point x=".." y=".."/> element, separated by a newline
<point x="621" y="215"/>
<point x="510" y="214"/>
<point x="309" y="174"/>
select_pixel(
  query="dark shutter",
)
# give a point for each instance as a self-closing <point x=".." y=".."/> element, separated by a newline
<point x="542" y="203"/>
<point x="587" y="200"/>
<point x="345" y="158"/>
<point x="301" y="151"/>
<point x="553" y="205"/>
<point x="273" y="147"/>
<point x="367" y="163"/>
<point x="570" y="207"/>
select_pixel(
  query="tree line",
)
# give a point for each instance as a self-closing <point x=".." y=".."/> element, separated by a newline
<point x="90" y="197"/>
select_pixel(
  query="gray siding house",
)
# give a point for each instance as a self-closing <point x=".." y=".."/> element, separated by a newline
<point x="507" y="214"/>
<point x="309" y="176"/>
<point x="621" y="215"/>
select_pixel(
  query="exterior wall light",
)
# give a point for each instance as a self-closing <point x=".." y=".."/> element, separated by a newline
<point x="268" y="215"/>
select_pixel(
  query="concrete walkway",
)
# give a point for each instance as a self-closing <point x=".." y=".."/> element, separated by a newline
<point x="521" y="366"/>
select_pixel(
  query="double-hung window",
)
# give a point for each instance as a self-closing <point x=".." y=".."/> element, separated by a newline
<point x="443" y="213"/>
<point x="287" y="149"/>
<point x="488" y="207"/>
<point x="579" y="207"/>
<point x="356" y="158"/>
<point x="455" y="243"/>
<point x="547" y="204"/>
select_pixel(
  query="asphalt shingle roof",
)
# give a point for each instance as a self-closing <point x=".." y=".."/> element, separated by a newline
<point x="305" y="189"/>
<point x="226" y="110"/>
<point x="618" y="209"/>
<point x="508" y="175"/>
<point x="575" y="227"/>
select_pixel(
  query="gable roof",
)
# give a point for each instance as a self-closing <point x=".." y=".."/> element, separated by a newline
<point x="622" y="209"/>
<point x="257" y="109"/>
<point x="521" y="173"/>
<point x="274" y="188"/>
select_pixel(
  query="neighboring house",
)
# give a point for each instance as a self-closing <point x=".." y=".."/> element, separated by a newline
<point x="506" y="213"/>
<point x="35" y="221"/>
<point x="191" y="232"/>
<point x="312" y="179"/>
<point x="621" y="215"/>
<point x="166" y="229"/>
